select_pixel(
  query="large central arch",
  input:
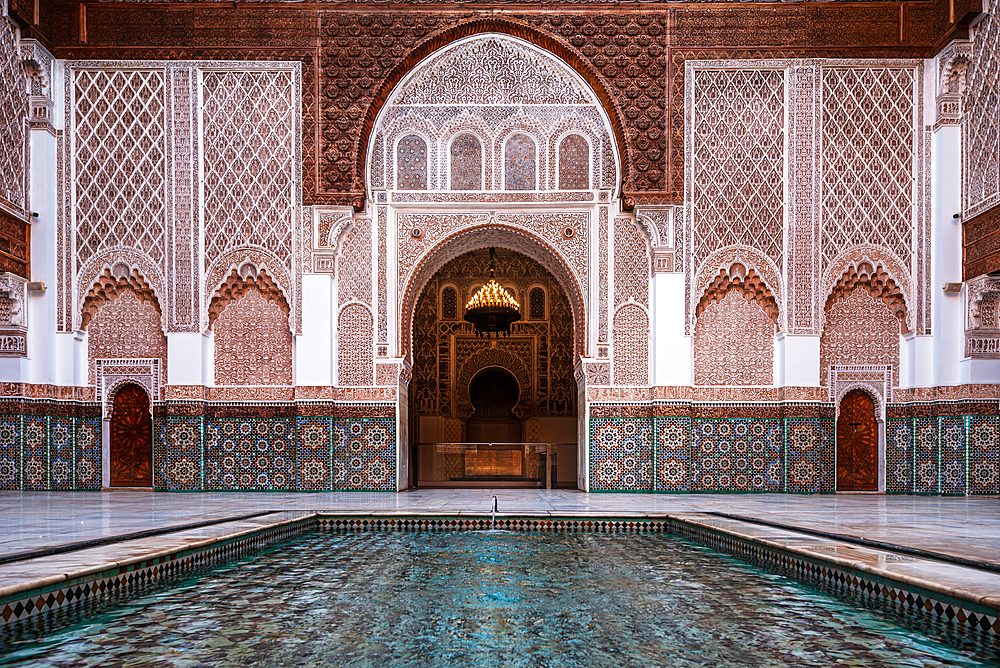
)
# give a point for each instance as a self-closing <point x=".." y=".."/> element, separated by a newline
<point x="480" y="236"/>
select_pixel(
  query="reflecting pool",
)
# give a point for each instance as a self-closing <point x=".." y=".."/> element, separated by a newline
<point x="488" y="599"/>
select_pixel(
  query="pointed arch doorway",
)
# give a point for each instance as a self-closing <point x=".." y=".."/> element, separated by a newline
<point x="131" y="438"/>
<point x="857" y="443"/>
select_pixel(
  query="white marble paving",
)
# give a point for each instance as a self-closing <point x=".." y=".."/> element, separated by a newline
<point x="962" y="526"/>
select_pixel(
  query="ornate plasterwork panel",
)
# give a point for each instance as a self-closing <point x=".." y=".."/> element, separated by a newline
<point x="869" y="152"/>
<point x="136" y="148"/>
<point x="631" y="263"/>
<point x="354" y="346"/>
<point x="981" y="126"/>
<point x="466" y="100"/>
<point x="859" y="331"/>
<point x="982" y="317"/>
<point x="856" y="176"/>
<point x="113" y="373"/>
<point x="734" y="343"/>
<point x="875" y="379"/>
<point x="250" y="161"/>
<point x="953" y="63"/>
<point x="126" y="328"/>
<point x="13" y="315"/>
<point x="253" y="343"/>
<point x="631" y="345"/>
<point x="737" y="130"/>
<point x="13" y="123"/>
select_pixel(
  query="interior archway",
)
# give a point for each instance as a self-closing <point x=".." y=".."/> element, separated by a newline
<point x="513" y="390"/>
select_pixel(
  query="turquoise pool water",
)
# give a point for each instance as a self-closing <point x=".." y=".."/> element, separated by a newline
<point x="488" y="599"/>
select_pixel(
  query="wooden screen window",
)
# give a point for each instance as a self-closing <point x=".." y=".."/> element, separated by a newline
<point x="131" y="439"/>
<point x="536" y="304"/>
<point x="449" y="304"/>
<point x="857" y="443"/>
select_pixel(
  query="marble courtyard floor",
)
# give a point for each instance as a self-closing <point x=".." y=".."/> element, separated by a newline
<point x="961" y="527"/>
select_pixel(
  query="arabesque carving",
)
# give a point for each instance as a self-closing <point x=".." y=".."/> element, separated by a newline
<point x="235" y="286"/>
<point x="878" y="283"/>
<point x="747" y="283"/>
<point x="109" y="287"/>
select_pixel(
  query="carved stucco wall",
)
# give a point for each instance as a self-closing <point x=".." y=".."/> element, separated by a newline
<point x="859" y="330"/>
<point x="253" y="343"/>
<point x="13" y="122"/>
<point x="981" y="126"/>
<point x="136" y="146"/>
<point x="734" y="343"/>
<point x="127" y="327"/>
<point x="631" y="320"/>
<point x="859" y="124"/>
<point x="481" y="92"/>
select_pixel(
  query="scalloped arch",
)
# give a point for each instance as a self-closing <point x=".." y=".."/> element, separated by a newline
<point x="476" y="26"/>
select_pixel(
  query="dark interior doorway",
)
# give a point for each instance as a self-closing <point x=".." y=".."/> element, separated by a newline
<point x="131" y="438"/>
<point x="857" y="444"/>
<point x="493" y="393"/>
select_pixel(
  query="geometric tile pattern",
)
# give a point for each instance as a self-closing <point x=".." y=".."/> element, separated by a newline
<point x="943" y="451"/>
<point x="699" y="454"/>
<point x="49" y="452"/>
<point x="898" y="456"/>
<point x="738" y="455"/>
<point x="621" y="454"/>
<point x="275" y="453"/>
<point x="809" y="455"/>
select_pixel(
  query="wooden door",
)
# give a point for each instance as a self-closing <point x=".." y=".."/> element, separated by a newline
<point x="131" y="439"/>
<point x="857" y="443"/>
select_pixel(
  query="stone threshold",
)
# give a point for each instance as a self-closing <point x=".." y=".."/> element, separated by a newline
<point x="59" y="588"/>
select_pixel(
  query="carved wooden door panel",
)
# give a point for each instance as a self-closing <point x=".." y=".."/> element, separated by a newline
<point x="131" y="439"/>
<point x="857" y="443"/>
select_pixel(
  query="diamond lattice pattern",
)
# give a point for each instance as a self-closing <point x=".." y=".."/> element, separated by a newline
<point x="13" y="115"/>
<point x="868" y="159"/>
<point x="248" y="157"/>
<point x="739" y="159"/>
<point x="982" y="120"/>
<point x="119" y="158"/>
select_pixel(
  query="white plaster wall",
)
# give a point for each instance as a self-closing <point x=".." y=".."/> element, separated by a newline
<point x="671" y="351"/>
<point x="946" y="256"/>
<point x="796" y="361"/>
<point x="42" y="305"/>
<point x="314" y="347"/>
<point x="186" y="359"/>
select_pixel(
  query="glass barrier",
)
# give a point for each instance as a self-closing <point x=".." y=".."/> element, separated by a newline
<point x="487" y="464"/>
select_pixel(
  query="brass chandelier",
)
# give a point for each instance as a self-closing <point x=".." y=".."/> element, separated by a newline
<point x="492" y="310"/>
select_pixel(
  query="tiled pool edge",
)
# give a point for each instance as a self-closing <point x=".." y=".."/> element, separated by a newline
<point x="140" y="576"/>
<point x="122" y="581"/>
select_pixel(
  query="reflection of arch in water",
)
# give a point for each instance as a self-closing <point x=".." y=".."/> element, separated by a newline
<point x="493" y="393"/>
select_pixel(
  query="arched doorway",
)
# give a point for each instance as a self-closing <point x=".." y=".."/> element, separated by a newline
<point x="466" y="391"/>
<point x="493" y="394"/>
<point x="131" y="438"/>
<point x="857" y="443"/>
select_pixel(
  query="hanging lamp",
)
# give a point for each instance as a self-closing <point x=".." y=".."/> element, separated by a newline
<point x="492" y="310"/>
